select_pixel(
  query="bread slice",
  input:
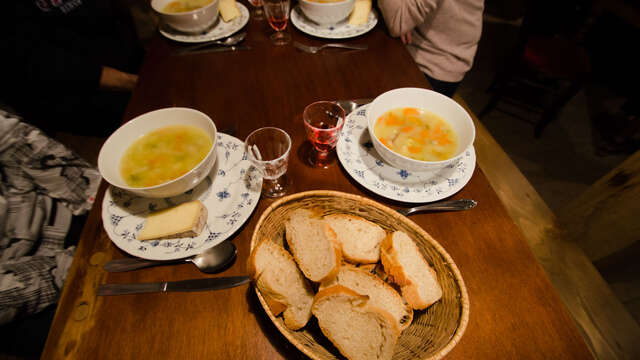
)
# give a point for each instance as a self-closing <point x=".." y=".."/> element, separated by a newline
<point x="406" y="267"/>
<point x="360" y="239"/>
<point x="380" y="293"/>
<point x="313" y="245"/>
<point x="358" y="329"/>
<point x="281" y="283"/>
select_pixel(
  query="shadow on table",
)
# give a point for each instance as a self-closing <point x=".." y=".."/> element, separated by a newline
<point x="277" y="340"/>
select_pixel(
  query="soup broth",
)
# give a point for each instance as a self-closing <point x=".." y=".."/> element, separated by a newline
<point x="178" y="6"/>
<point x="163" y="155"/>
<point x="417" y="134"/>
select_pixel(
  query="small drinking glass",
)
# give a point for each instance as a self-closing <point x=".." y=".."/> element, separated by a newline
<point x="258" y="14"/>
<point x="268" y="150"/>
<point x="277" y="12"/>
<point x="323" y="121"/>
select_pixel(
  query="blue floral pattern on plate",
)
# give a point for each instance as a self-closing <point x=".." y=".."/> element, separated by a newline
<point x="230" y="193"/>
<point x="220" y="30"/>
<point x="341" y="30"/>
<point x="362" y="162"/>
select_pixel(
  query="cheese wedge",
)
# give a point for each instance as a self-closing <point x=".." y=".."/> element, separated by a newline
<point x="360" y="13"/>
<point x="228" y="10"/>
<point x="185" y="220"/>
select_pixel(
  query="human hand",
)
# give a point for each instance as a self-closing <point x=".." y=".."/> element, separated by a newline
<point x="406" y="37"/>
<point x="112" y="79"/>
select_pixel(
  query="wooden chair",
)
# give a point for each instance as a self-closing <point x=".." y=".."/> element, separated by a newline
<point x="543" y="73"/>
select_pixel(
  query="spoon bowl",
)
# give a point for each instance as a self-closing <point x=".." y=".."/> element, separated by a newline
<point x="212" y="260"/>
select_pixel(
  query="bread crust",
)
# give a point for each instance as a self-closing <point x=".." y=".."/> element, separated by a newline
<point x="397" y="274"/>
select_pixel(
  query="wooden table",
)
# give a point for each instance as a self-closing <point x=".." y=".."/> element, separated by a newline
<point x="515" y="312"/>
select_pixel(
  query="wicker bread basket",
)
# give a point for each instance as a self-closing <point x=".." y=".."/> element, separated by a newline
<point x="433" y="332"/>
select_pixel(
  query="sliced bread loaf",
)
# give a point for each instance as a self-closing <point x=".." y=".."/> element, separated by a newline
<point x="281" y="283"/>
<point x="406" y="267"/>
<point x="313" y="245"/>
<point x="358" y="329"/>
<point x="360" y="239"/>
<point x="380" y="293"/>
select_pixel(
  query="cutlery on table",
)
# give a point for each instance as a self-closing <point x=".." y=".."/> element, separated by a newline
<point x="449" y="205"/>
<point x="217" y="49"/>
<point x="350" y="105"/>
<point x="315" y="49"/>
<point x="211" y="260"/>
<point x="216" y="283"/>
<point x="230" y="41"/>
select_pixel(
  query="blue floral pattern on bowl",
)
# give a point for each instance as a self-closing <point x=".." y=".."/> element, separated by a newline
<point x="341" y="30"/>
<point x="360" y="159"/>
<point x="230" y="193"/>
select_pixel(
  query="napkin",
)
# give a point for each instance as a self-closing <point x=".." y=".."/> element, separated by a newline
<point x="228" y="10"/>
<point x="360" y="13"/>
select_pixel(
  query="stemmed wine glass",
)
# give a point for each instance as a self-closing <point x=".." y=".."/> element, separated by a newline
<point x="258" y="14"/>
<point x="323" y="121"/>
<point x="277" y="12"/>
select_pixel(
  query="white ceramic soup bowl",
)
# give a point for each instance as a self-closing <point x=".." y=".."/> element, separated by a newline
<point x="114" y="148"/>
<point x="428" y="100"/>
<point x="190" y="21"/>
<point x="327" y="13"/>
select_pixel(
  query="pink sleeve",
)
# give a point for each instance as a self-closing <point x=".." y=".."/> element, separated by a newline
<point x="401" y="16"/>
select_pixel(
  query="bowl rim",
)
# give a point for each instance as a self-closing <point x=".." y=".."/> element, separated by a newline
<point x="182" y="13"/>
<point x="139" y="119"/>
<point x="326" y="4"/>
<point x="463" y="147"/>
<point x="464" y="300"/>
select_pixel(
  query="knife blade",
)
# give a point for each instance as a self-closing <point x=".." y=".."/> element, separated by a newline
<point x="216" y="49"/>
<point x="215" y="283"/>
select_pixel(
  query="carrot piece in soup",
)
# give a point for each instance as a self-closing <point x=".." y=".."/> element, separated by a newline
<point x="385" y="142"/>
<point x="415" y="149"/>
<point x="406" y="129"/>
<point x="410" y="111"/>
<point x="393" y="120"/>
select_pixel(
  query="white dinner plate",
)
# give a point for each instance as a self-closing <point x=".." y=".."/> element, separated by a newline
<point x="341" y="30"/>
<point x="230" y="193"/>
<point x="360" y="159"/>
<point x="220" y="30"/>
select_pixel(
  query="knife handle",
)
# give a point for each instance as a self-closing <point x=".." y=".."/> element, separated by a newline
<point x="128" y="264"/>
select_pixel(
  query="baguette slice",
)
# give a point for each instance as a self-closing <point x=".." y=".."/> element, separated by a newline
<point x="313" y="245"/>
<point x="281" y="283"/>
<point x="358" y="329"/>
<point x="406" y="267"/>
<point x="380" y="294"/>
<point x="184" y="220"/>
<point x="360" y="239"/>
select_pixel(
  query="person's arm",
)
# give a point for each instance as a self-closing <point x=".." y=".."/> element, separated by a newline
<point x="401" y="16"/>
<point x="113" y="79"/>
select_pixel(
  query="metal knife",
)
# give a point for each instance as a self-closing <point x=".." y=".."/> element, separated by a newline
<point x="215" y="283"/>
<point x="217" y="49"/>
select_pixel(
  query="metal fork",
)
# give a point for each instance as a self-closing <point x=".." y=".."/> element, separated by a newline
<point x="315" y="49"/>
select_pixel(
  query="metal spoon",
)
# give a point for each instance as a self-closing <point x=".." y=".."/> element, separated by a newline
<point x="231" y="40"/>
<point x="210" y="261"/>
<point x="450" y="205"/>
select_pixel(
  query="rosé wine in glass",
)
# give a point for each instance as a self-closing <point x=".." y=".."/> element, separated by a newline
<point x="277" y="12"/>
<point x="258" y="14"/>
<point x="323" y="121"/>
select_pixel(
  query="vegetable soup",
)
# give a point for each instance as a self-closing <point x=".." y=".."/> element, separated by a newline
<point x="179" y="6"/>
<point x="417" y="134"/>
<point x="163" y="155"/>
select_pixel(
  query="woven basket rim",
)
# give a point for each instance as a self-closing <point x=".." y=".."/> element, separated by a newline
<point x="464" y="318"/>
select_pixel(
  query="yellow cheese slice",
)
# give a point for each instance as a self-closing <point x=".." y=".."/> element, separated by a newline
<point x="184" y="220"/>
<point x="228" y="10"/>
<point x="360" y="13"/>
